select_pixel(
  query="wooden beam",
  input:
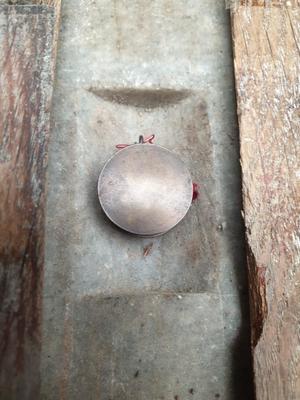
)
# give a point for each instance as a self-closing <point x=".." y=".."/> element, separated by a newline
<point x="266" y="38"/>
<point x="28" y="37"/>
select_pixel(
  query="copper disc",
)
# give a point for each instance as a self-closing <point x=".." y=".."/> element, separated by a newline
<point x="145" y="189"/>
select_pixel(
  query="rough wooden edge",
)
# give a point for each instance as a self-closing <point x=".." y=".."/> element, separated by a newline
<point x="266" y="4"/>
<point x="51" y="3"/>
<point x="56" y="4"/>
<point x="19" y="377"/>
<point x="271" y="68"/>
<point x="256" y="278"/>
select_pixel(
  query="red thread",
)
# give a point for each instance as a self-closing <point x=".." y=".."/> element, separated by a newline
<point x="148" y="139"/>
<point x="195" y="191"/>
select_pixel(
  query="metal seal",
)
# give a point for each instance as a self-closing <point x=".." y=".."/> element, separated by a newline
<point x="145" y="189"/>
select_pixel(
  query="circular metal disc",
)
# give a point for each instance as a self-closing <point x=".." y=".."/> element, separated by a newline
<point x="145" y="189"/>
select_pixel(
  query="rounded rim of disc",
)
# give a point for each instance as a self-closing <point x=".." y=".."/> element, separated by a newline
<point x="116" y="223"/>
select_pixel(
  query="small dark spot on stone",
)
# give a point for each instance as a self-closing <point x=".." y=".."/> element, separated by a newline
<point x="191" y="391"/>
<point x="142" y="325"/>
<point x="217" y="395"/>
<point x="140" y="360"/>
<point x="137" y="374"/>
<point x="176" y="397"/>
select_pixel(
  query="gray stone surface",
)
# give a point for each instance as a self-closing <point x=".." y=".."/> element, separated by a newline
<point x="126" y="69"/>
<point x="148" y="347"/>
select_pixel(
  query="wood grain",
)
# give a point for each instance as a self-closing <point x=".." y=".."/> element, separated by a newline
<point x="28" y="36"/>
<point x="266" y="60"/>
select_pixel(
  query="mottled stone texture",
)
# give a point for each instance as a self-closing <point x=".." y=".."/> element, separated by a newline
<point x="124" y="69"/>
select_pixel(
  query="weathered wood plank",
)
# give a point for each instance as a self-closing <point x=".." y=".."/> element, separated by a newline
<point x="28" y="36"/>
<point x="267" y="70"/>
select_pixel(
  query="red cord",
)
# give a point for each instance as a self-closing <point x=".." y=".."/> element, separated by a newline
<point x="195" y="191"/>
<point x="148" y="139"/>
